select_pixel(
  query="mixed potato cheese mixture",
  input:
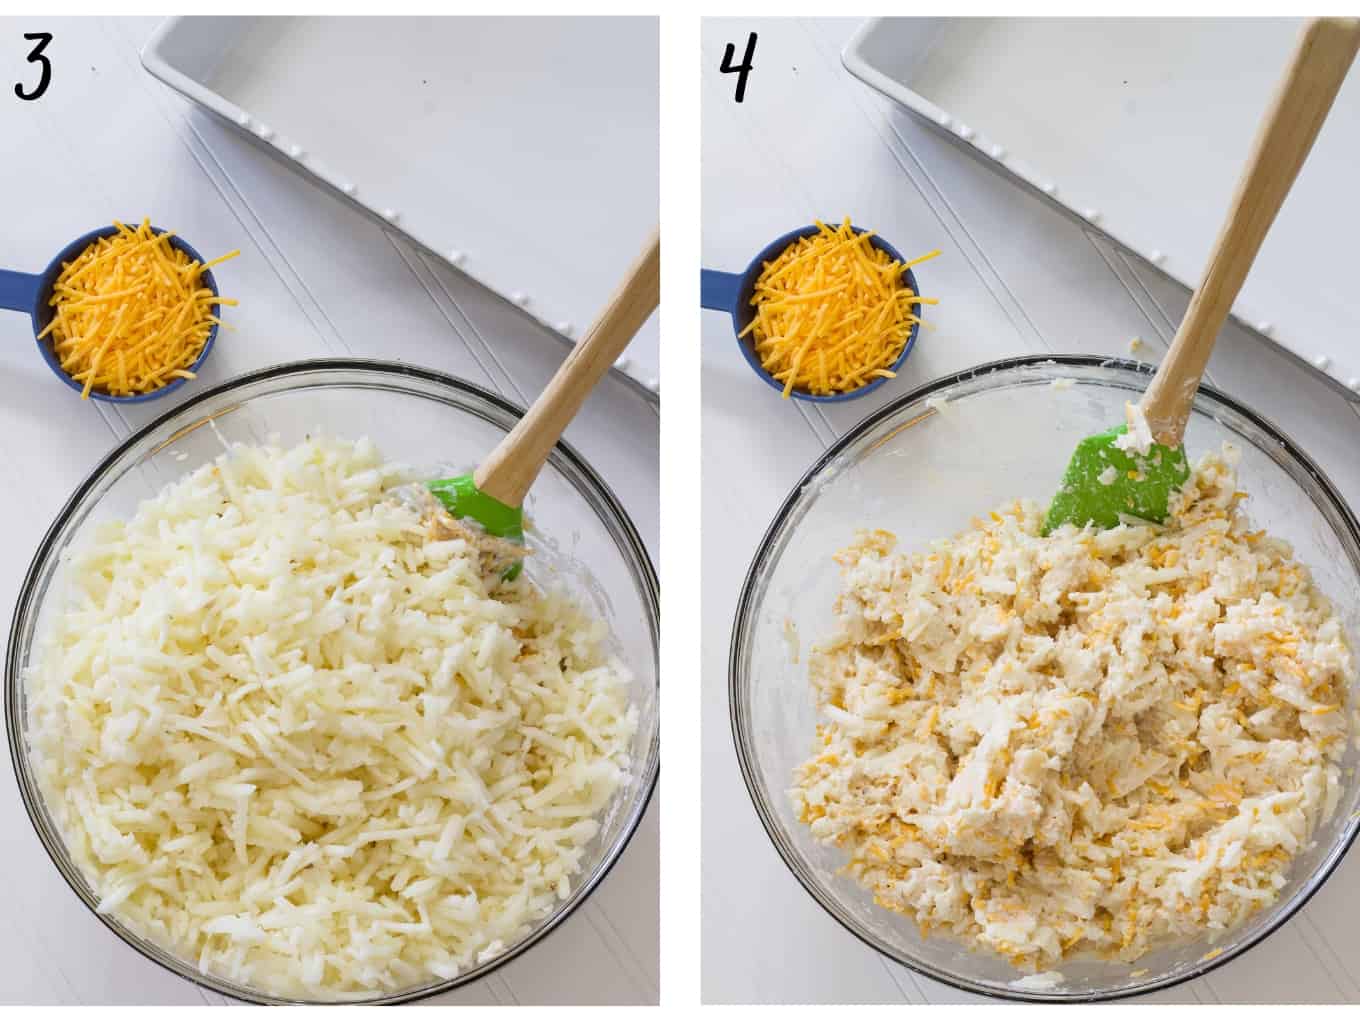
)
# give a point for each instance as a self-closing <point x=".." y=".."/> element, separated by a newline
<point x="1086" y="743"/>
<point x="292" y="729"/>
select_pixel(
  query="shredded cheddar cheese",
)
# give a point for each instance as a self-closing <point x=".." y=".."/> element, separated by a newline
<point x="132" y="313"/>
<point x="832" y="312"/>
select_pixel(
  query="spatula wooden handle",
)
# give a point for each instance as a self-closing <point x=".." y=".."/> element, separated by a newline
<point x="513" y="465"/>
<point x="1302" y="99"/>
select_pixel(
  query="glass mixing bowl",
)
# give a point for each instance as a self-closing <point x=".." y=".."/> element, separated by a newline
<point x="421" y="418"/>
<point x="922" y="470"/>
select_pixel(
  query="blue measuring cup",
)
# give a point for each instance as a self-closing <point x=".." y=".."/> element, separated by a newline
<point x="731" y="293"/>
<point x="31" y="293"/>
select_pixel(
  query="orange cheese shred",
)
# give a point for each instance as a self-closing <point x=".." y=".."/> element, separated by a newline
<point x="832" y="312"/>
<point x="131" y="313"/>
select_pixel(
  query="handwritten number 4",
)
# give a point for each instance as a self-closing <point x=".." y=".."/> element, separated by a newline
<point x="740" y="70"/>
<point x="35" y="56"/>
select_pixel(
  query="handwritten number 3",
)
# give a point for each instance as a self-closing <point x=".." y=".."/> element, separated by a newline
<point x="35" y="56"/>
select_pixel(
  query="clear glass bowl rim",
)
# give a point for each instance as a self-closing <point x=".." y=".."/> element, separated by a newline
<point x="371" y="373"/>
<point x="744" y="618"/>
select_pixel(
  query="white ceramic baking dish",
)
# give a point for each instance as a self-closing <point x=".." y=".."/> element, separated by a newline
<point x="523" y="151"/>
<point x="1139" y="127"/>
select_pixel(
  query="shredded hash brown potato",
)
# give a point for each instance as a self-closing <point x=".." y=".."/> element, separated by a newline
<point x="1086" y="743"/>
<point x="289" y="733"/>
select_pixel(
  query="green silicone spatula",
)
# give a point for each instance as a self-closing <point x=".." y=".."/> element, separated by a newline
<point x="493" y="495"/>
<point x="1133" y="470"/>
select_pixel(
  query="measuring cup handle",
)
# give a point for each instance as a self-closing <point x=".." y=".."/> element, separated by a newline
<point x="718" y="290"/>
<point x="19" y="291"/>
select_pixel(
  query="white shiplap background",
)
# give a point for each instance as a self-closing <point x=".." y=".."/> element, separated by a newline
<point x="315" y="279"/>
<point x="1016" y="277"/>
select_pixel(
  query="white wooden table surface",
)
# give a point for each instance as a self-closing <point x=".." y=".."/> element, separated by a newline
<point x="1015" y="278"/>
<point x="314" y="279"/>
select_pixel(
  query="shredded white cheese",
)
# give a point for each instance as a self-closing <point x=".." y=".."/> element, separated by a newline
<point x="287" y="734"/>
